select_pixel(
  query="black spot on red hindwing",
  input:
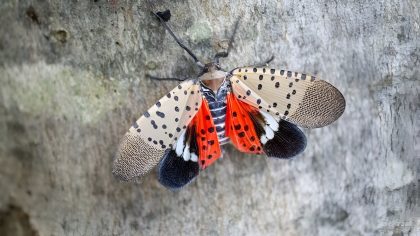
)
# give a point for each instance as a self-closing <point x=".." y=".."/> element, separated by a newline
<point x="206" y="137"/>
<point x="239" y="126"/>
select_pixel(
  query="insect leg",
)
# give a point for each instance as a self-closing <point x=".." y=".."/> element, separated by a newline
<point x="163" y="22"/>
<point x="230" y="45"/>
<point x="265" y="63"/>
<point x="165" y="78"/>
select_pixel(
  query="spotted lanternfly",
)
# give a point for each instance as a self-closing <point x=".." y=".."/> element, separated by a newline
<point x="257" y="109"/>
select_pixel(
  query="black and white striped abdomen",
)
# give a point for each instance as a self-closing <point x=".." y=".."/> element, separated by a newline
<point x="217" y="106"/>
<point x="218" y="112"/>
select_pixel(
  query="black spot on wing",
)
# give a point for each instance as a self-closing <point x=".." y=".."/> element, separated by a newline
<point x="160" y="114"/>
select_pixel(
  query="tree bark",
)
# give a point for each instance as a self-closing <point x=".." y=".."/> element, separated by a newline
<point x="73" y="79"/>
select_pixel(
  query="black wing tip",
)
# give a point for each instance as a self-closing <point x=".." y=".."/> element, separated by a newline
<point x="288" y="142"/>
<point x="174" y="173"/>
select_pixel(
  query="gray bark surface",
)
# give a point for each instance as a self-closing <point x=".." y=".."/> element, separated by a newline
<point x="72" y="77"/>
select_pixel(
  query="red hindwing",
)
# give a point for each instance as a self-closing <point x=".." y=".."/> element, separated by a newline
<point x="239" y="126"/>
<point x="206" y="136"/>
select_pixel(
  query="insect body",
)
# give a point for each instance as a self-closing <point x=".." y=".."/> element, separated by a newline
<point x="256" y="109"/>
<point x="217" y="105"/>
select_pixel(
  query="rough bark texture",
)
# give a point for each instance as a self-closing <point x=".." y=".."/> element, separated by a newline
<point x="73" y="79"/>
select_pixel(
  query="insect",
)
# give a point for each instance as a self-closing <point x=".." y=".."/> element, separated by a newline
<point x="257" y="109"/>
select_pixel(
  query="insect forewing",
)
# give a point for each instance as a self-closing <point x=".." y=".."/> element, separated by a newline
<point x="298" y="98"/>
<point x="156" y="131"/>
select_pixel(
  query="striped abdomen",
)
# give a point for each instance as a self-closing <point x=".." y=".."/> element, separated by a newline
<point x="218" y="112"/>
<point x="217" y="106"/>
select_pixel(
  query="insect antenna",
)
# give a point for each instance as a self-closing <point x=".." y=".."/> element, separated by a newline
<point x="230" y="45"/>
<point x="163" y="18"/>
